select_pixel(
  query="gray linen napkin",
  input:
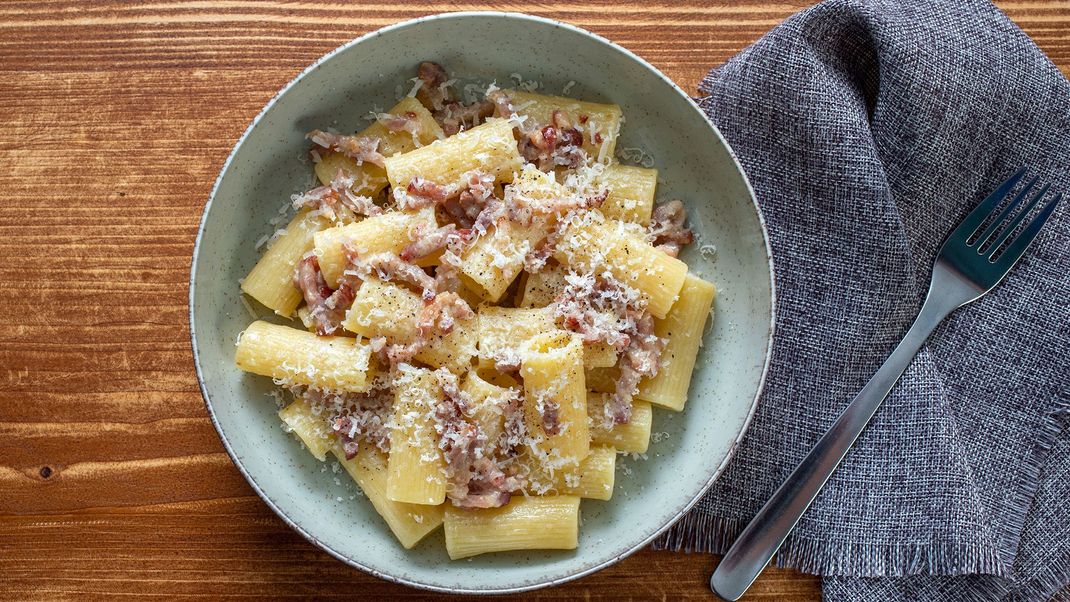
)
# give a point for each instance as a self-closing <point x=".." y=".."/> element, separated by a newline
<point x="868" y="130"/>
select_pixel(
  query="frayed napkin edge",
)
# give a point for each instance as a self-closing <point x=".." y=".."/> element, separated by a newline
<point x="697" y="532"/>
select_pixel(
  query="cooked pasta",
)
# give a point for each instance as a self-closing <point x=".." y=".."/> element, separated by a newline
<point x="486" y="309"/>
<point x="409" y="522"/>
<point x="300" y="357"/>
<point x="525" y="523"/>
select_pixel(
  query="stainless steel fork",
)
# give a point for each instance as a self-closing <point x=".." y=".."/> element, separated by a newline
<point x="973" y="260"/>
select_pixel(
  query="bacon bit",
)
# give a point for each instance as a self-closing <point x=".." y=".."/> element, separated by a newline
<point x="395" y="353"/>
<point x="387" y="266"/>
<point x="425" y="243"/>
<point x="549" y="412"/>
<point x="573" y="137"/>
<point x="432" y="94"/>
<point x="422" y="193"/>
<point x="552" y="146"/>
<point x="362" y="149"/>
<point x="584" y="117"/>
<point x="474" y="479"/>
<point x="464" y="210"/>
<point x="640" y="359"/>
<point x="493" y="212"/>
<point x="327" y="307"/>
<point x="503" y="107"/>
<point x="442" y="313"/>
<point x="547" y="138"/>
<point x="339" y="194"/>
<point x="597" y="138"/>
<point x="309" y="279"/>
<point x="515" y="429"/>
<point x="536" y="259"/>
<point x="400" y="122"/>
<point x="447" y="276"/>
<point x="667" y="231"/>
<point x="456" y="117"/>
<point x="472" y="201"/>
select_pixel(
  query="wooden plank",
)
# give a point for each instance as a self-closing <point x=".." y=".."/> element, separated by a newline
<point x="117" y="118"/>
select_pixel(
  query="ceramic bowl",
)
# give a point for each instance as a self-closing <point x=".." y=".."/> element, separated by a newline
<point x="269" y="163"/>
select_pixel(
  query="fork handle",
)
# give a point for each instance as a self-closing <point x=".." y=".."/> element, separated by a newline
<point x="767" y="530"/>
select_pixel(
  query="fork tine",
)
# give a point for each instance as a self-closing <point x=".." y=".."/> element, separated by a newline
<point x="978" y="215"/>
<point x="1017" y="220"/>
<point x="1021" y="243"/>
<point x="1008" y="210"/>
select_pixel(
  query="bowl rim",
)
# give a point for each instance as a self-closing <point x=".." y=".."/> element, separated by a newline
<point x="535" y="585"/>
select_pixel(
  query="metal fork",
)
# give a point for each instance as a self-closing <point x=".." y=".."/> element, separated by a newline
<point x="973" y="260"/>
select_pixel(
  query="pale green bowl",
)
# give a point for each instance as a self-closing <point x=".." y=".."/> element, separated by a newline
<point x="269" y="163"/>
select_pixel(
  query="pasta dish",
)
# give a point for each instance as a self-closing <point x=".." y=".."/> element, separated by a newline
<point x="485" y="308"/>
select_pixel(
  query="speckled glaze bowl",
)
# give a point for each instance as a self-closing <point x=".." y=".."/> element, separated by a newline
<point x="269" y="163"/>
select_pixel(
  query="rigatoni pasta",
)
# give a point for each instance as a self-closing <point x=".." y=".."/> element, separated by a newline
<point x="309" y="428"/>
<point x="488" y="308"/>
<point x="525" y="523"/>
<point x="409" y="522"/>
<point x="489" y="148"/>
<point x="599" y="124"/>
<point x="271" y="280"/>
<point x="555" y="404"/>
<point x="682" y="329"/>
<point x="631" y="193"/>
<point x="631" y="437"/>
<point x="387" y="233"/>
<point x="300" y="357"/>
<point x="415" y="468"/>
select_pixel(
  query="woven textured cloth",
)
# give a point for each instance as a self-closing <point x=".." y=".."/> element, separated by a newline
<point x="868" y="130"/>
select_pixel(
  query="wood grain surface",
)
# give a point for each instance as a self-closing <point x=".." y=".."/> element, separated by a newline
<point x="116" y="119"/>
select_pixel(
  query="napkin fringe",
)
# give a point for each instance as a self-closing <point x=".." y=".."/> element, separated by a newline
<point x="1055" y="576"/>
<point x="702" y="532"/>
<point x="1032" y="467"/>
<point x="712" y="534"/>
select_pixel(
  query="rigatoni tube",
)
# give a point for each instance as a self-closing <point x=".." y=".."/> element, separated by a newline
<point x="370" y="179"/>
<point x="389" y="232"/>
<point x="503" y="331"/>
<point x="552" y="369"/>
<point x="631" y="193"/>
<point x="271" y="280"/>
<point x="599" y="123"/>
<point x="631" y="437"/>
<point x="596" y="245"/>
<point x="409" y="522"/>
<point x="525" y="523"/>
<point x="489" y="148"/>
<point x="300" y="357"/>
<point x="683" y="329"/>
<point x="388" y="310"/>
<point x="593" y="478"/>
<point x="416" y="468"/>
<point x="311" y="429"/>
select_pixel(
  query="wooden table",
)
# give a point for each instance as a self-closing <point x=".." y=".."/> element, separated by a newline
<point x="116" y="119"/>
